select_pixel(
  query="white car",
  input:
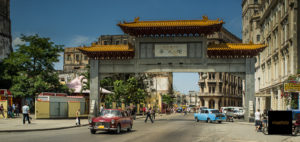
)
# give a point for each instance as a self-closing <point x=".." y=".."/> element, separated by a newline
<point x="239" y="113"/>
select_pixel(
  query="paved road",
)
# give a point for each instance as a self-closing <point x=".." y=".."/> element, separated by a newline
<point x="176" y="129"/>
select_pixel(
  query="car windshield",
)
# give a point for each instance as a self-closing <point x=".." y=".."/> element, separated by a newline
<point x="110" y="113"/>
<point x="215" y="111"/>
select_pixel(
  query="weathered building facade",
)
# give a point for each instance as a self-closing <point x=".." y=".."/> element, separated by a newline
<point x="5" y="29"/>
<point x="275" y="23"/>
<point x="220" y="89"/>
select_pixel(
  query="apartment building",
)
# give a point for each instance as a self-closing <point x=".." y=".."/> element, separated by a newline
<point x="275" y="23"/>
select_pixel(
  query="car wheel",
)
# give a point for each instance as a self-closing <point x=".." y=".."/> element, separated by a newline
<point x="220" y="122"/>
<point x="93" y="131"/>
<point x="196" y="119"/>
<point x="208" y="120"/>
<point x="130" y="127"/>
<point x="118" y="131"/>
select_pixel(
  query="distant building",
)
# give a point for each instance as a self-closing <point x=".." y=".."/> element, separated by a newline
<point x="220" y="89"/>
<point x="192" y="98"/>
<point x="5" y="29"/>
<point x="158" y="84"/>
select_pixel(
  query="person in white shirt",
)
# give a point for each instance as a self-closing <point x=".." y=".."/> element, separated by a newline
<point x="25" y="111"/>
<point x="257" y="120"/>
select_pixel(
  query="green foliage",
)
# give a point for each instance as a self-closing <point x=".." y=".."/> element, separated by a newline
<point x="128" y="91"/>
<point x="168" y="99"/>
<point x="31" y="68"/>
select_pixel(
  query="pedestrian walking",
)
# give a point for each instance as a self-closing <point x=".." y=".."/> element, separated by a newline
<point x="101" y="108"/>
<point x="2" y="111"/>
<point x="133" y="113"/>
<point x="144" y="110"/>
<point x="26" y="113"/>
<point x="78" y="117"/>
<point x="148" y="112"/>
<point x="257" y="120"/>
<point x="13" y="109"/>
<point x="17" y="110"/>
<point x="153" y="113"/>
<point x="9" y="111"/>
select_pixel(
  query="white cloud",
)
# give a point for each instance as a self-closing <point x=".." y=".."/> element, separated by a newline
<point x="80" y="40"/>
<point x="17" y="41"/>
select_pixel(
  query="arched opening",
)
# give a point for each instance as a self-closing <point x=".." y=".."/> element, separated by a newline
<point x="211" y="103"/>
<point x="202" y="102"/>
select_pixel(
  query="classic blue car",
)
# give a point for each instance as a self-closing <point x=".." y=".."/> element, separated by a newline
<point x="209" y="115"/>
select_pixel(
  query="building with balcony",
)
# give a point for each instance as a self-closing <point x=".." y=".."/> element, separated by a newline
<point x="275" y="23"/>
<point x="219" y="90"/>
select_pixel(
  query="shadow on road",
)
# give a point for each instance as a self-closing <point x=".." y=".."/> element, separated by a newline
<point x="113" y="133"/>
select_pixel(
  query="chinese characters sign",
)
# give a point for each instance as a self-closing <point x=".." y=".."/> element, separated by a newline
<point x="170" y="50"/>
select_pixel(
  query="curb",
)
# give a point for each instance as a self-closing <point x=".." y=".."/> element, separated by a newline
<point x="46" y="129"/>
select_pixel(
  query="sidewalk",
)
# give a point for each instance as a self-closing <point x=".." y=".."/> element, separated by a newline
<point x="16" y="124"/>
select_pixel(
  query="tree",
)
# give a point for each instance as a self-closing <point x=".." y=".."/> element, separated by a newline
<point x="168" y="99"/>
<point x="31" y="67"/>
<point x="134" y="94"/>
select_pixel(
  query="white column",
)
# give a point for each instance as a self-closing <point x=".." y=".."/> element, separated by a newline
<point x="279" y="100"/>
<point x="206" y="102"/>
<point x="216" y="103"/>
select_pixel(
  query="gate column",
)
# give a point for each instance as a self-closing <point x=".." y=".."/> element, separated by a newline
<point x="249" y="88"/>
<point x="94" y="87"/>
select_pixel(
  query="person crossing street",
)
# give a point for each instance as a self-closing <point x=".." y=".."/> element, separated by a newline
<point x="148" y="113"/>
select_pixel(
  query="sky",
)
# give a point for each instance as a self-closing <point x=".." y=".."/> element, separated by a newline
<point x="74" y="23"/>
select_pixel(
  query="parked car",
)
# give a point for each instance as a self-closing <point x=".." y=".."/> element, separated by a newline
<point x="209" y="115"/>
<point x="238" y="113"/>
<point x="111" y="120"/>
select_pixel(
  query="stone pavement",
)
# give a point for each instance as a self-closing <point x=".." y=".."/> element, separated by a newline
<point x="16" y="124"/>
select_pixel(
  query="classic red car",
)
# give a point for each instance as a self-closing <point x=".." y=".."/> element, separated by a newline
<point x="111" y="120"/>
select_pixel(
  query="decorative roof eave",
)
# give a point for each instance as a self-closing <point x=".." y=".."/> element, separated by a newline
<point x="108" y="52"/>
<point x="107" y="48"/>
<point x="234" y="50"/>
<point x="204" y="26"/>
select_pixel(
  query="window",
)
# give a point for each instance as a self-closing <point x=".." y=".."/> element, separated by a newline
<point x="220" y="76"/>
<point x="257" y="38"/>
<point x="104" y="42"/>
<point x="255" y="1"/>
<point x="68" y="57"/>
<point x="85" y="58"/>
<point x="117" y="42"/>
<point x="209" y="89"/>
<point x="77" y="57"/>
<point x="213" y="75"/>
<point x="220" y="89"/>
<point x="202" y="89"/>
<point x="213" y="89"/>
<point x="125" y="41"/>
